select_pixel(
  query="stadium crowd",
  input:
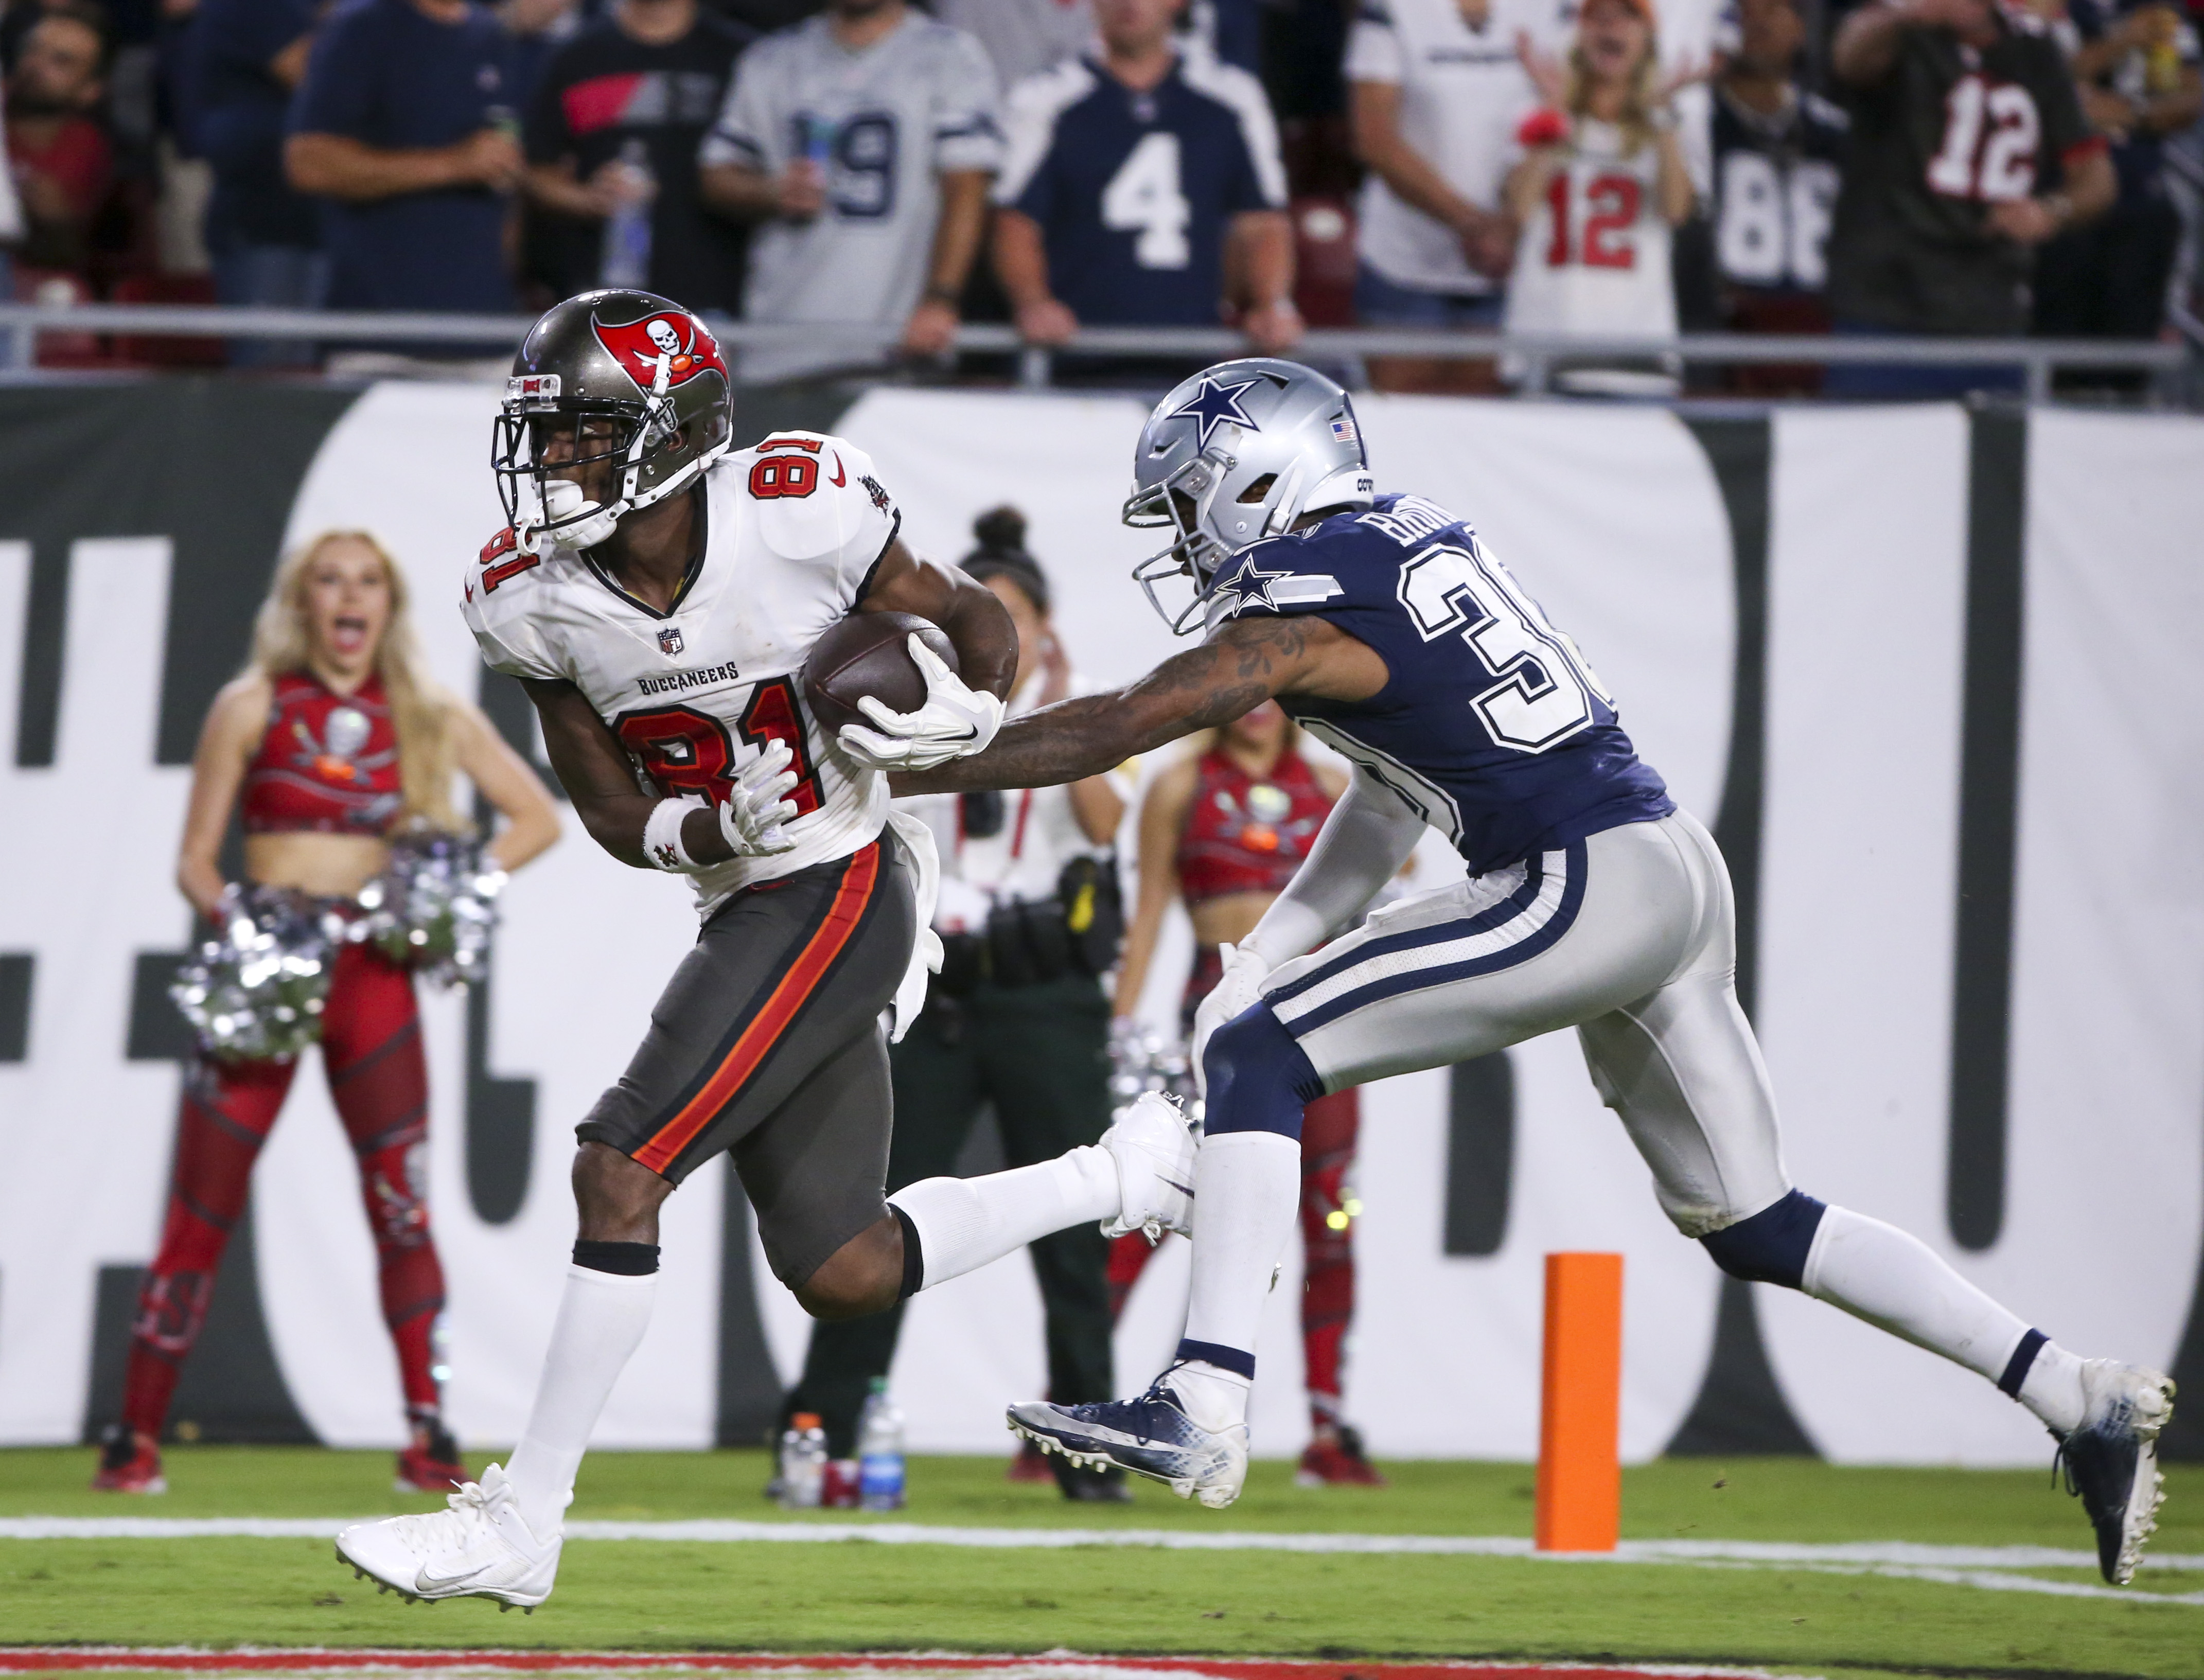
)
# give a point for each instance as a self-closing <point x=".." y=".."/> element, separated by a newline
<point x="1916" y="168"/>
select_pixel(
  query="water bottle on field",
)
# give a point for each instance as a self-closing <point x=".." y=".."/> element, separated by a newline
<point x="802" y="1462"/>
<point x="626" y="258"/>
<point x="880" y="1450"/>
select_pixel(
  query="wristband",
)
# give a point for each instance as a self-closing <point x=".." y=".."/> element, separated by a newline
<point x="951" y="295"/>
<point x="661" y="837"/>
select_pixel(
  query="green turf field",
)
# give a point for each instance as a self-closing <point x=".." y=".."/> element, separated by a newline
<point x="857" y="1595"/>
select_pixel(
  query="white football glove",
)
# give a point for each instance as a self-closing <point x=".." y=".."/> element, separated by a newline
<point x="1239" y="988"/>
<point x="954" y="723"/>
<point x="750" y="820"/>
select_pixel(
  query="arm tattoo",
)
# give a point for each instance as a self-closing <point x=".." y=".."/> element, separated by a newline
<point x="1243" y="666"/>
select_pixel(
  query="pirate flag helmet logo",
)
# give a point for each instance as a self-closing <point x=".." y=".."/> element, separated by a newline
<point x="674" y="339"/>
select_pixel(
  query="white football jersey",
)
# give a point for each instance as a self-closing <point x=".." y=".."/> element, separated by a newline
<point x="794" y="527"/>
<point x="1594" y="255"/>
<point x="883" y="123"/>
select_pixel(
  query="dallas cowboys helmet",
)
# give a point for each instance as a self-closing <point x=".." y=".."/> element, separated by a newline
<point x="618" y="400"/>
<point x="1238" y="453"/>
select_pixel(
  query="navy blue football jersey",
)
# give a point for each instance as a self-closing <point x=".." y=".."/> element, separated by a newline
<point x="1134" y="191"/>
<point x="1492" y="726"/>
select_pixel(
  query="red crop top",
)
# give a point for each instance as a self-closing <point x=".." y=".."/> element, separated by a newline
<point x="328" y="764"/>
<point x="1247" y="835"/>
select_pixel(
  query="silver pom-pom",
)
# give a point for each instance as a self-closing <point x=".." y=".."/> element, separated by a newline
<point x="433" y="908"/>
<point x="255" y="992"/>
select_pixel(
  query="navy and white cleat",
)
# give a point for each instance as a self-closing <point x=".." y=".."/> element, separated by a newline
<point x="2110" y="1459"/>
<point x="1151" y="1436"/>
<point x="1153" y="1144"/>
<point x="479" y="1547"/>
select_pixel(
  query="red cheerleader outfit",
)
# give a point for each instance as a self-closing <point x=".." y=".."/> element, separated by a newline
<point x="1249" y="834"/>
<point x="327" y="764"/>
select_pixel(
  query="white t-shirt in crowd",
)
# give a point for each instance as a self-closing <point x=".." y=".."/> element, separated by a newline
<point x="883" y="122"/>
<point x="1463" y="92"/>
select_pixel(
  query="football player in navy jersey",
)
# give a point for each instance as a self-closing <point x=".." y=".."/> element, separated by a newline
<point x="1384" y="624"/>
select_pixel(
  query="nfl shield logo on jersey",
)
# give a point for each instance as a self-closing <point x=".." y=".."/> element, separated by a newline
<point x="669" y="643"/>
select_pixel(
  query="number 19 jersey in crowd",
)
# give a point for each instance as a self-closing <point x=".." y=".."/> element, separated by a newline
<point x="792" y="531"/>
<point x="1492" y="725"/>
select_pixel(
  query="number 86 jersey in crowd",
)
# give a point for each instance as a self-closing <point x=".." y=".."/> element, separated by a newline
<point x="792" y="531"/>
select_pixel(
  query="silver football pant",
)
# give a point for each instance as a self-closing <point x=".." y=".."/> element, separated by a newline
<point x="1631" y="937"/>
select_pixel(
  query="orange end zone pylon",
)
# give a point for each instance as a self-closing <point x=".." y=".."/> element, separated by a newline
<point x="1579" y="1411"/>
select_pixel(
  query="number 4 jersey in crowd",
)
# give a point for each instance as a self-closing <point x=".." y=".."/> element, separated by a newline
<point x="1491" y="726"/>
<point x="793" y="530"/>
<point x="1951" y="131"/>
<point x="1135" y="190"/>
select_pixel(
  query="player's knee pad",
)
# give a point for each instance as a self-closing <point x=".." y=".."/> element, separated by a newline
<point x="1259" y="1078"/>
<point x="1771" y="1246"/>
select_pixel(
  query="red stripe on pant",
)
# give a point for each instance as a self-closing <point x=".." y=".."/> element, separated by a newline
<point x="786" y="1002"/>
<point x="371" y="1052"/>
<point x="1330" y="1127"/>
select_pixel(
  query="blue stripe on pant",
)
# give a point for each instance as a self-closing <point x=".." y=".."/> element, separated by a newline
<point x="1538" y="914"/>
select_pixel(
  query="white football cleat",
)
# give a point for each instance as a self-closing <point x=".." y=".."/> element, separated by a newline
<point x="1153" y="1144"/>
<point x="479" y="1548"/>
<point x="2110" y="1459"/>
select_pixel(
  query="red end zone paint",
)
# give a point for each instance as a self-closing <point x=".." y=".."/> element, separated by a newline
<point x="1058" y="1665"/>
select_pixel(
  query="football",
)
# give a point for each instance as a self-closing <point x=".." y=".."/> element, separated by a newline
<point x="866" y="654"/>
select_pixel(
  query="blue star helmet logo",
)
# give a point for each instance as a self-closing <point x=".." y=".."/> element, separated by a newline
<point x="1213" y="405"/>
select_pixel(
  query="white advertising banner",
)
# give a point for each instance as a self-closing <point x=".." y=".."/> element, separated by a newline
<point x="1798" y="626"/>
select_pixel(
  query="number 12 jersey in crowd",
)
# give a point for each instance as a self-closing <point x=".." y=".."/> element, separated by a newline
<point x="792" y="531"/>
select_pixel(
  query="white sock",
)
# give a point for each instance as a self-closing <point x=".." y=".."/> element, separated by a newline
<point x="963" y="1223"/>
<point x="1878" y="1272"/>
<point x="602" y="1319"/>
<point x="1247" y="1199"/>
<point x="2052" y="1388"/>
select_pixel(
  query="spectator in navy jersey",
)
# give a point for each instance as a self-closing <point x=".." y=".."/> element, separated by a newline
<point x="645" y="81"/>
<point x="1143" y="187"/>
<point x="406" y="129"/>
<point x="246" y="58"/>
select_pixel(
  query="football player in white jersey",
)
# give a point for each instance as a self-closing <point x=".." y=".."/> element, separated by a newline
<point x="656" y="593"/>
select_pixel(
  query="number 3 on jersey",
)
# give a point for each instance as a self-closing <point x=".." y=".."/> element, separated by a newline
<point x="1546" y="689"/>
<point x="686" y="751"/>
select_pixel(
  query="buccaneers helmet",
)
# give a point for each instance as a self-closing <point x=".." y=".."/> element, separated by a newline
<point x="617" y="399"/>
<point x="1234" y="454"/>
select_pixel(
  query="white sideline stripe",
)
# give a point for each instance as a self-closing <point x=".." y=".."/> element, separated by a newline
<point x="1980" y="1566"/>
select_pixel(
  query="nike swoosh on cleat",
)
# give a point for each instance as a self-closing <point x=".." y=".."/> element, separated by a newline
<point x="1182" y="1189"/>
<point x="430" y="1583"/>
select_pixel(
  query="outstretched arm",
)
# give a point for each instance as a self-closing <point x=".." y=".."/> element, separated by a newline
<point x="1244" y="663"/>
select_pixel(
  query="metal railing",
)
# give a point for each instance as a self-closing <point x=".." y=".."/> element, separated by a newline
<point x="1536" y="355"/>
